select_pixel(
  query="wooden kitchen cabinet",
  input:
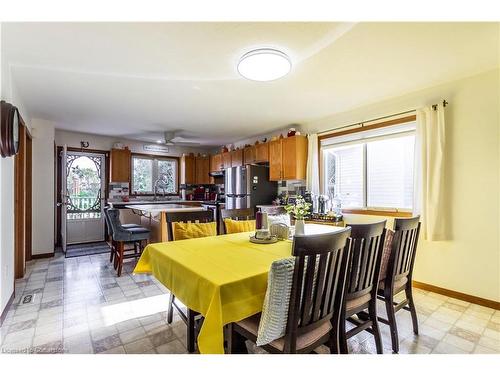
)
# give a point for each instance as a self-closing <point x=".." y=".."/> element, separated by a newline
<point x="236" y="158"/>
<point x="275" y="156"/>
<point x="288" y="158"/>
<point x="119" y="165"/>
<point x="294" y="158"/>
<point x="249" y="155"/>
<point x="226" y="160"/>
<point x="188" y="169"/>
<point x="262" y="152"/>
<point x="216" y="163"/>
<point x="202" y="168"/>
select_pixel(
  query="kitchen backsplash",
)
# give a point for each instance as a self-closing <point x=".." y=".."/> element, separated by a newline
<point x="117" y="190"/>
<point x="291" y="186"/>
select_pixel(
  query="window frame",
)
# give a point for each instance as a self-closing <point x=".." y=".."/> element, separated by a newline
<point x="155" y="170"/>
<point x="390" y="211"/>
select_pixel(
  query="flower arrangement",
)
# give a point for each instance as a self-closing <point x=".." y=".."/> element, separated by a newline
<point x="299" y="209"/>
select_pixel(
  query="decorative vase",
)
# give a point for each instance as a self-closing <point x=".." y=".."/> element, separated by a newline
<point x="299" y="226"/>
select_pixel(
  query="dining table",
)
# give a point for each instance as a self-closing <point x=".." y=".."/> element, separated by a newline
<point x="224" y="278"/>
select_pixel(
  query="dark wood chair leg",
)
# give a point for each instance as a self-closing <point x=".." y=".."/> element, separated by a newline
<point x="372" y="310"/>
<point x="343" y="337"/>
<point x="334" y="342"/>
<point x="120" y="258"/>
<point x="112" y="251"/>
<point x="191" y="331"/>
<point x="115" y="255"/>
<point x="170" y="311"/>
<point x="391" y="317"/>
<point x="411" y="305"/>
<point x="236" y="344"/>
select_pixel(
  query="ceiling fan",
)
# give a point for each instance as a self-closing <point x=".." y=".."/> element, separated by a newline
<point x="170" y="138"/>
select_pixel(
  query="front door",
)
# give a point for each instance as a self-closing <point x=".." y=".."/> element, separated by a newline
<point x="85" y="184"/>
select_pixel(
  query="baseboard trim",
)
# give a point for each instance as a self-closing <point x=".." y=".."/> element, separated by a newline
<point x="4" y="312"/>
<point x="42" y="256"/>
<point x="458" y="295"/>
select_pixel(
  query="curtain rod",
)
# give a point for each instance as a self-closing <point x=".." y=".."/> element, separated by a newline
<point x="434" y="107"/>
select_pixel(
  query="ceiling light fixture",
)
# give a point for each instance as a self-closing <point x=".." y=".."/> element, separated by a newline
<point x="264" y="64"/>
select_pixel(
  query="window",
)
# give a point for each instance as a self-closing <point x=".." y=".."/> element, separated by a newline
<point x="146" y="171"/>
<point x="371" y="169"/>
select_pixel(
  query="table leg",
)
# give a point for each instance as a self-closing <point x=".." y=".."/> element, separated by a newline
<point x="191" y="331"/>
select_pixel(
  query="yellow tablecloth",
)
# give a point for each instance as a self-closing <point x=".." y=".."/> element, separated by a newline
<point x="222" y="277"/>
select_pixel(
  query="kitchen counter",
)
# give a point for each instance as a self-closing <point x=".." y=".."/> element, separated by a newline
<point x="122" y="204"/>
<point x="154" y="216"/>
<point x="170" y="207"/>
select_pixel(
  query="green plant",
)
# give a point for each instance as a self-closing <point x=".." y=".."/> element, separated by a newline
<point x="299" y="209"/>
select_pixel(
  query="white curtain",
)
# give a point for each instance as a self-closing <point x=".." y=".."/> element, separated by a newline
<point x="429" y="187"/>
<point x="312" y="174"/>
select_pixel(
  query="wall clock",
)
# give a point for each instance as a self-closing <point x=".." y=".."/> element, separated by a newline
<point x="9" y="129"/>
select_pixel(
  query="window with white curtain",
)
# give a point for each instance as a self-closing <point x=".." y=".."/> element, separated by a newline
<point x="370" y="169"/>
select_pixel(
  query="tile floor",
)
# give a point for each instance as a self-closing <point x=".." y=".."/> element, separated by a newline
<point x="81" y="307"/>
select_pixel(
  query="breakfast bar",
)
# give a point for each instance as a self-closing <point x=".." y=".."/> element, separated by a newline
<point x="154" y="217"/>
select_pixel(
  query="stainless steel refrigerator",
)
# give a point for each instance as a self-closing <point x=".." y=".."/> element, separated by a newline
<point x="249" y="186"/>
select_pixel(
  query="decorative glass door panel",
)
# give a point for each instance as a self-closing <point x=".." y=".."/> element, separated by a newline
<point x="85" y="182"/>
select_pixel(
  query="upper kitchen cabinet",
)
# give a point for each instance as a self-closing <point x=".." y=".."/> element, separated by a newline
<point x="236" y="158"/>
<point x="226" y="160"/>
<point x="202" y="168"/>
<point x="294" y="157"/>
<point x="288" y="158"/>
<point x="262" y="152"/>
<point x="216" y="163"/>
<point x="275" y="156"/>
<point x="119" y="165"/>
<point x="249" y="155"/>
<point x="188" y="165"/>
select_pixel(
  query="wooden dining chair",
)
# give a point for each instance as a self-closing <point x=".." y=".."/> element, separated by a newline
<point x="367" y="242"/>
<point x="191" y="316"/>
<point x="319" y="278"/>
<point x="399" y="275"/>
<point x="206" y="216"/>
<point x="235" y="214"/>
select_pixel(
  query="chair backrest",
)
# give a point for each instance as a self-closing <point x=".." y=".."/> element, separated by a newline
<point x="236" y="214"/>
<point x="403" y="248"/>
<point x="367" y="246"/>
<point x="206" y="216"/>
<point x="113" y="215"/>
<point x="318" y="282"/>
<point x="108" y="222"/>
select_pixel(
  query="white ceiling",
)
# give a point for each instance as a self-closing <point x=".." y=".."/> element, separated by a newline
<point x="130" y="79"/>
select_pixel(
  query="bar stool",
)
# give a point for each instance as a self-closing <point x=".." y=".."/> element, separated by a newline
<point x="122" y="235"/>
<point x="110" y="232"/>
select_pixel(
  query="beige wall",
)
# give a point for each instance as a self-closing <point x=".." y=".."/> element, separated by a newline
<point x="6" y="211"/>
<point x="7" y="92"/>
<point x="470" y="261"/>
<point x="43" y="186"/>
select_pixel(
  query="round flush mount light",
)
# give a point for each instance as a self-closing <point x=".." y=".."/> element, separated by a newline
<point x="264" y="64"/>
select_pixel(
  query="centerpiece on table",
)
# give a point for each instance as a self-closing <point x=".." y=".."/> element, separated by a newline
<point x="299" y="209"/>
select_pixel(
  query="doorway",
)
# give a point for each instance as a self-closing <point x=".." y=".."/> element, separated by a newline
<point x="84" y="177"/>
<point x="22" y="202"/>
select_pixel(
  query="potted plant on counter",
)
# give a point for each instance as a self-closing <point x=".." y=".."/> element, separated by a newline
<point x="299" y="209"/>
